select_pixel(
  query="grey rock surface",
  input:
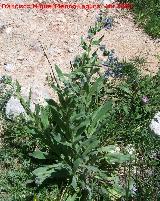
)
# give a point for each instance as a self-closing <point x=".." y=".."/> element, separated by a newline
<point x="14" y="108"/>
<point x="155" y="124"/>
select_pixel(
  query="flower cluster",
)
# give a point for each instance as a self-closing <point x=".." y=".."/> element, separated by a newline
<point x="112" y="65"/>
<point x="107" y="22"/>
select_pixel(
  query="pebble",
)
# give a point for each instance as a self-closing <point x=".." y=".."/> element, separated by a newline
<point x="2" y="27"/>
<point x="54" y="51"/>
<point x="61" y="18"/>
<point x="70" y="50"/>
<point x="8" y="67"/>
<point x="8" y="30"/>
<point x="107" y="1"/>
<point x="155" y="124"/>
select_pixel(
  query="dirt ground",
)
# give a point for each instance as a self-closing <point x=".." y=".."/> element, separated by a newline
<point x="59" y="31"/>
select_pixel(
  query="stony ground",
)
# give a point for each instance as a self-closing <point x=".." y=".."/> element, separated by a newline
<point x="59" y="31"/>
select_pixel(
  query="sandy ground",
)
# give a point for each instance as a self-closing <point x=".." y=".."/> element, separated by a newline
<point x="59" y="31"/>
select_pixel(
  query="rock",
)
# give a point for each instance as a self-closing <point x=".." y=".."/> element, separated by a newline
<point x="70" y="50"/>
<point x="14" y="108"/>
<point x="107" y="1"/>
<point x="34" y="46"/>
<point x="61" y="18"/>
<point x="19" y="1"/>
<point x="8" y="30"/>
<point x="155" y="124"/>
<point x="8" y="67"/>
<point x="54" y="51"/>
<point x="2" y="27"/>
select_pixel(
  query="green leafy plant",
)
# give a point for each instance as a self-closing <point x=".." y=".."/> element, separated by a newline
<point x="70" y="132"/>
<point x="77" y="146"/>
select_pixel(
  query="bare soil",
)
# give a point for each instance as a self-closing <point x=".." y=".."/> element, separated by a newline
<point x="59" y="31"/>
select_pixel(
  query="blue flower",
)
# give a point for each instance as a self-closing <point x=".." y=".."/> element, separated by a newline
<point x="114" y="67"/>
<point x="108" y="26"/>
<point x="109" y="73"/>
<point x="107" y="23"/>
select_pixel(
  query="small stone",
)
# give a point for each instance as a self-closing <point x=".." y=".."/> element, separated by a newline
<point x="14" y="108"/>
<point x="8" y="30"/>
<point x="70" y="50"/>
<point x="61" y="18"/>
<point x="8" y="67"/>
<point x="19" y="1"/>
<point x="2" y="27"/>
<point x="34" y="47"/>
<point x="107" y="1"/>
<point x="155" y="124"/>
<point x="54" y="51"/>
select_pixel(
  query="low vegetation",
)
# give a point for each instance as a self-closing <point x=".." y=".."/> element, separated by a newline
<point x="147" y="15"/>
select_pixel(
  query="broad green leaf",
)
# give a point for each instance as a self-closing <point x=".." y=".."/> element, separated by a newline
<point x="107" y="149"/>
<point x="72" y="198"/>
<point x="57" y="117"/>
<point x="39" y="155"/>
<point x="82" y="127"/>
<point x="52" y="102"/>
<point x="59" y="72"/>
<point x="42" y="173"/>
<point x="91" y="168"/>
<point x="90" y="145"/>
<point x="77" y="163"/>
<point x="74" y="182"/>
<point x="117" y="158"/>
<point x="100" y="114"/>
<point x="44" y="118"/>
<point x="44" y="170"/>
<point x="98" y="84"/>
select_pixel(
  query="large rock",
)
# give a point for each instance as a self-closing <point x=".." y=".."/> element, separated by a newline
<point x="155" y="124"/>
<point x="14" y="108"/>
